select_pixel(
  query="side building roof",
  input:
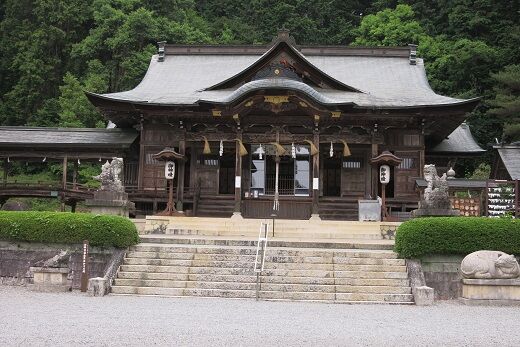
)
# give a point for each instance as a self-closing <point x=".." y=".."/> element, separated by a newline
<point x="66" y="138"/>
<point x="459" y="141"/>
<point x="510" y="155"/>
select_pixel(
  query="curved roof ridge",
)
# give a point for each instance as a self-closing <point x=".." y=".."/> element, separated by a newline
<point x="276" y="83"/>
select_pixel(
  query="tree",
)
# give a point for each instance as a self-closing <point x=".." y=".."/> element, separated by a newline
<point x="506" y="104"/>
<point x="390" y="27"/>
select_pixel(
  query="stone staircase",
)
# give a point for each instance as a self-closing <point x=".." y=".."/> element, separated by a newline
<point x="343" y="271"/>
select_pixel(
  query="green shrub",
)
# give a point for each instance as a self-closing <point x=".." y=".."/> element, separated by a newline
<point x="62" y="227"/>
<point x="457" y="235"/>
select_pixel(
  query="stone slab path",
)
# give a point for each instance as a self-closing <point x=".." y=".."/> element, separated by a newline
<point x="66" y="319"/>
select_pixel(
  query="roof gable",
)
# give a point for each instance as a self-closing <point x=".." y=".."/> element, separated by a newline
<point x="283" y="60"/>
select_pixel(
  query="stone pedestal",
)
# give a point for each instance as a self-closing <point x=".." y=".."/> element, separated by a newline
<point x="97" y="286"/>
<point x="491" y="292"/>
<point x="50" y="279"/>
<point x="369" y="211"/>
<point x="423" y="295"/>
<point x="110" y="202"/>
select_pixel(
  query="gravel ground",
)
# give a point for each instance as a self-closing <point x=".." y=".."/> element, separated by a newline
<point x="66" y="319"/>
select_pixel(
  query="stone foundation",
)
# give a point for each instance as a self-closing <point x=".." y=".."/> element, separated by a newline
<point x="490" y="292"/>
<point x="442" y="274"/>
<point x="110" y="202"/>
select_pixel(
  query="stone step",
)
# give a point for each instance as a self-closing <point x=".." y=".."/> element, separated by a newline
<point x="329" y="244"/>
<point x="315" y="296"/>
<point x="288" y="234"/>
<point x="264" y="279"/>
<point x="266" y="272"/>
<point x="345" y="266"/>
<point x="167" y="249"/>
<point x="336" y="267"/>
<point x="284" y="287"/>
<point x="327" y="259"/>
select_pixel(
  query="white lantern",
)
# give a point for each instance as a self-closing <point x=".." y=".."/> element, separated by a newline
<point x="169" y="170"/>
<point x="384" y="174"/>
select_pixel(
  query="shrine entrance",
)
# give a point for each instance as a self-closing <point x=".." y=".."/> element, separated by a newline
<point x="331" y="176"/>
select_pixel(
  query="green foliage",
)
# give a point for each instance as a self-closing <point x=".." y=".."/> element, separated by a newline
<point x="389" y="28"/>
<point x="56" y="227"/>
<point x="456" y="235"/>
<point x="482" y="172"/>
<point x="506" y="105"/>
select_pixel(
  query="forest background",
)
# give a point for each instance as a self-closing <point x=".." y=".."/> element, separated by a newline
<point x="53" y="50"/>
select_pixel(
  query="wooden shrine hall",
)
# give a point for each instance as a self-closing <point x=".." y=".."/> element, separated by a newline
<point x="283" y="128"/>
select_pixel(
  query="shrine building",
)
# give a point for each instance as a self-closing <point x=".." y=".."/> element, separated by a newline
<point x="299" y="130"/>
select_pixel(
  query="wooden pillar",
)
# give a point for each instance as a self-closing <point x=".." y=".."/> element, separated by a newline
<point x="75" y="175"/>
<point x="142" y="157"/>
<point x="316" y="177"/>
<point x="181" y="164"/>
<point x="375" y="174"/>
<point x="64" y="175"/>
<point x="238" y="176"/>
<point x="6" y="170"/>
<point x="64" y="183"/>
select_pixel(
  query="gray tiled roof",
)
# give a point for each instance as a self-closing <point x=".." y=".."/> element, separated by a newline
<point x="459" y="141"/>
<point x="384" y="81"/>
<point x="510" y="156"/>
<point x="63" y="137"/>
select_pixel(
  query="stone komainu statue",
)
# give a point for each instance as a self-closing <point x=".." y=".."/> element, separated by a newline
<point x="110" y="176"/>
<point x="489" y="265"/>
<point x="436" y="195"/>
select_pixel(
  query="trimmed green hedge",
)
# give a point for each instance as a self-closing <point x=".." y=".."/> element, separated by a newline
<point x="457" y="235"/>
<point x="62" y="227"/>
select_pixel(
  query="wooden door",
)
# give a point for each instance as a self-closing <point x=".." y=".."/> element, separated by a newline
<point x="406" y="173"/>
<point x="331" y="176"/>
<point x="353" y="176"/>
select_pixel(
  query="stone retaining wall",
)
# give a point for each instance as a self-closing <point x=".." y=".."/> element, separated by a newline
<point x="441" y="272"/>
<point x="17" y="258"/>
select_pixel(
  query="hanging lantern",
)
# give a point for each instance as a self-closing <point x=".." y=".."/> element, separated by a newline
<point x="221" y="150"/>
<point x="293" y="151"/>
<point x="331" y="151"/>
<point x="260" y="152"/>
